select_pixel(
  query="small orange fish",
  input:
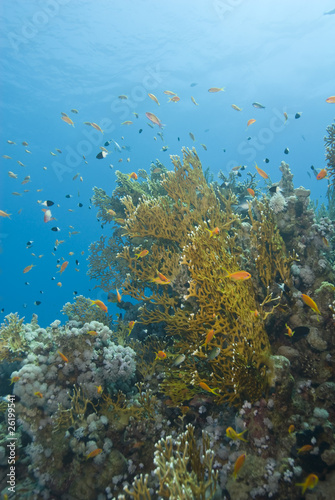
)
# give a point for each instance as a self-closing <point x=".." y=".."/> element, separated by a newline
<point x="92" y="332"/>
<point x="291" y="429"/>
<point x="238" y="464"/>
<point x="100" y="304"/>
<point x="206" y="387"/>
<point x="154" y="98"/>
<point x="162" y="277"/>
<point x="216" y="89"/>
<point x="255" y="313"/>
<point x="213" y="232"/>
<point x="96" y="126"/>
<point x="251" y="121"/>
<point x="38" y="394"/>
<point x="251" y="191"/>
<point x="289" y="331"/>
<point x="153" y="118"/>
<point x="175" y="98"/>
<point x="127" y="122"/>
<point x="99" y="389"/>
<point x="322" y="174"/>
<point x="28" y="268"/>
<point x="94" y="453"/>
<point x="118" y="296"/>
<point x="64" y="358"/>
<point x="232" y="434"/>
<point x="4" y="214"/>
<point x="160" y="282"/>
<point x="68" y="120"/>
<point x="209" y="336"/>
<point x="325" y="241"/>
<point x="168" y="92"/>
<point x="305" y="449"/>
<point x="133" y="175"/>
<point x="59" y="284"/>
<point x="63" y="266"/>
<point x="310" y="482"/>
<point x="310" y="303"/>
<point x="261" y="172"/>
<point x="238" y="275"/>
<point x="14" y="379"/>
<point x="111" y="212"/>
<point x="143" y="253"/>
<point x="160" y="355"/>
<point x="236" y="107"/>
<point x="331" y="99"/>
<point x="131" y="325"/>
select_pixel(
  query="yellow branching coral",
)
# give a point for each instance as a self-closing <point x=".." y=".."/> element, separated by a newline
<point x="12" y="338"/>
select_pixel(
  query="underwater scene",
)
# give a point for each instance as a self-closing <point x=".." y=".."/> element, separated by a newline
<point x="167" y="250"/>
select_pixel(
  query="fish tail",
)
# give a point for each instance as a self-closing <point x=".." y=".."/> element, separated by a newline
<point x="216" y="389"/>
<point x="227" y="273"/>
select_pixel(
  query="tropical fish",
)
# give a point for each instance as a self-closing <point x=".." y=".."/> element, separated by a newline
<point x="6" y="157"/>
<point x="153" y="118"/>
<point x="192" y="136"/>
<point x="305" y="449"/>
<point x="123" y="97"/>
<point x="154" y="98"/>
<point x="257" y="105"/>
<point x="160" y="355"/>
<point x="238" y="275"/>
<point x="297" y="115"/>
<point x="310" y="482"/>
<point x="289" y="331"/>
<point x="168" y="92"/>
<point x="4" y="214"/>
<point x="291" y="429"/>
<point x="38" y="394"/>
<point x="204" y="146"/>
<point x="213" y="353"/>
<point x="261" y="172"/>
<point x="194" y="101"/>
<point x="64" y="358"/>
<point x="322" y="174"/>
<point x="28" y="268"/>
<point x="75" y="111"/>
<point x="133" y="175"/>
<point x="99" y="389"/>
<point x="331" y="99"/>
<point x="14" y="379"/>
<point x="20" y="163"/>
<point x="238" y="464"/>
<point x="143" y="253"/>
<point x="179" y="360"/>
<point x="213" y="232"/>
<point x="127" y="122"/>
<point x="11" y="142"/>
<point x="175" y="98"/>
<point x="131" y="325"/>
<point x="118" y="296"/>
<point x="310" y="303"/>
<point x="251" y="191"/>
<point x="59" y="284"/>
<point x="236" y="107"/>
<point x="100" y="304"/>
<point x="96" y="126"/>
<point x="205" y="387"/>
<point x="93" y="333"/>
<point x="251" y="121"/>
<point x="209" y="336"/>
<point x="64" y="266"/>
<point x="68" y="120"/>
<point x="232" y="434"/>
<point x="160" y="282"/>
<point x="94" y="453"/>
<point x="285" y="116"/>
<point x="215" y="89"/>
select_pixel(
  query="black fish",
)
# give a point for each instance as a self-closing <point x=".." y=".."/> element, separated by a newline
<point x="37" y="302"/>
<point x="297" y="115"/>
<point x="2" y="310"/>
<point x="55" y="248"/>
<point x="53" y="278"/>
<point x="286" y="151"/>
<point x="267" y="160"/>
<point x="80" y="205"/>
<point x="194" y="84"/>
<point x="68" y="196"/>
<point x="49" y="203"/>
<point x="140" y="131"/>
<point x="77" y="262"/>
<point x="58" y="261"/>
<point x="41" y="291"/>
<point x="274" y="188"/>
<point x="29" y="243"/>
<point x="101" y="155"/>
<point x="55" y="229"/>
<point x="107" y="143"/>
<point x="27" y="283"/>
<point x="75" y="292"/>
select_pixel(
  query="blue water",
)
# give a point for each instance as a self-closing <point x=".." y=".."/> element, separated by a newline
<point x="62" y="54"/>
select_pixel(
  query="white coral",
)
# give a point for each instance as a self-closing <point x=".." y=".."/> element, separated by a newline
<point x="278" y="203"/>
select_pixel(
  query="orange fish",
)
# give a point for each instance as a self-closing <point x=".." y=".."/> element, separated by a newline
<point x="236" y="107"/>
<point x="94" y="453"/>
<point x="68" y="120"/>
<point x="238" y="275"/>
<point x="14" y="379"/>
<point x="331" y="99"/>
<point x="251" y="121"/>
<point x="160" y="282"/>
<point x="216" y="89"/>
<point x="131" y="325"/>
<point x="175" y="98"/>
<point x="168" y="92"/>
<point x="206" y="387"/>
<point x="232" y="434"/>
<point x="162" y="277"/>
<point x="310" y="482"/>
<point x="238" y="464"/>
<point x="305" y="449"/>
<point x="111" y="212"/>
<point x="251" y="191"/>
<point x="213" y="232"/>
<point x="143" y="253"/>
<point x="310" y="303"/>
<point x="127" y="122"/>
<point x="322" y="174"/>
<point x="261" y="172"/>
<point x="4" y="214"/>
<point x="59" y="284"/>
<point x="118" y="296"/>
<point x="100" y="304"/>
<point x="289" y="331"/>
<point x="64" y="358"/>
<point x="209" y="336"/>
<point x="291" y="429"/>
<point x="28" y="268"/>
<point x="153" y="118"/>
<point x="92" y="332"/>
<point x="63" y="266"/>
<point x="96" y="126"/>
<point x="133" y="175"/>
<point x="154" y="98"/>
<point x="38" y="394"/>
<point x="160" y="355"/>
<point x="99" y="389"/>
